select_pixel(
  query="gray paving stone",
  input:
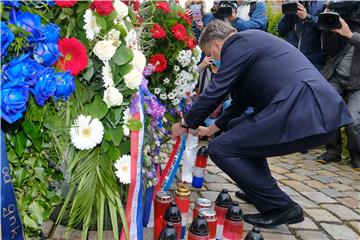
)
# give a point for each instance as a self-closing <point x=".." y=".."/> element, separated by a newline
<point x="277" y="236"/>
<point x="209" y="195"/>
<point x="318" y="197"/>
<point x="341" y="187"/>
<point x="306" y="224"/>
<point x="213" y="169"/>
<point x="342" y="212"/>
<point x="214" y="178"/>
<point x="340" y="232"/>
<point x="304" y="172"/>
<point x="47" y="227"/>
<point x="298" y="186"/>
<point x="248" y="208"/>
<point x="349" y="202"/>
<point x="218" y="186"/>
<point x="333" y="193"/>
<point x="321" y="215"/>
<point x="289" y="191"/>
<point x="355" y="195"/>
<point x="304" y="202"/>
<point x="311" y="235"/>
<point x="286" y="166"/>
<point x="323" y="179"/>
<point x="355" y="226"/>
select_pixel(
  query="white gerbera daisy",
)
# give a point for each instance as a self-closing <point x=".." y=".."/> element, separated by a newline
<point x="90" y="27"/>
<point x="107" y="75"/>
<point x="86" y="133"/>
<point x="122" y="166"/>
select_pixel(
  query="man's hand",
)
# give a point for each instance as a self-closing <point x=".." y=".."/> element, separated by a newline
<point x="207" y="131"/>
<point x="205" y="62"/>
<point x="177" y="130"/>
<point x="344" y="30"/>
<point x="301" y="12"/>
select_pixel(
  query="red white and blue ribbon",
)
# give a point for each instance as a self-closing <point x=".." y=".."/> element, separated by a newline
<point x="11" y="227"/>
<point x="134" y="208"/>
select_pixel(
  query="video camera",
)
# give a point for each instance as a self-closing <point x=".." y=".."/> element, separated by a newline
<point x="223" y="9"/>
<point x="331" y="20"/>
<point x="290" y="8"/>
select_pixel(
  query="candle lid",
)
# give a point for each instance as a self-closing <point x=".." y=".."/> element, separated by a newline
<point x="182" y="190"/>
<point x="209" y="214"/>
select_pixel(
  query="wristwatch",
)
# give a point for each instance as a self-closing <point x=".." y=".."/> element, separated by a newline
<point x="183" y="125"/>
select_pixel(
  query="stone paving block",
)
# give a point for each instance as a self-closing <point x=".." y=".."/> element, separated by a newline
<point x="309" y="165"/>
<point x="340" y="232"/>
<point x="304" y="202"/>
<point x="289" y="191"/>
<point x="318" y="197"/>
<point x="248" y="208"/>
<point x="278" y="176"/>
<point x="311" y="235"/>
<point x="330" y="167"/>
<point x="209" y="195"/>
<point x="304" y="172"/>
<point x="277" y="236"/>
<point x="344" y="180"/>
<point x="323" y="179"/>
<point x="278" y="169"/>
<point x="286" y="166"/>
<point x="46" y="227"/>
<point x="326" y="173"/>
<point x="355" y="226"/>
<point x="309" y="157"/>
<point x="226" y="177"/>
<point x="349" y="202"/>
<point x="194" y="196"/>
<point x="315" y="184"/>
<point x="355" y="195"/>
<point x="341" y="187"/>
<point x="333" y="193"/>
<point x="306" y="224"/>
<point x="218" y="186"/>
<point x="283" y="229"/>
<point x="321" y="215"/>
<point x="214" y="178"/>
<point x="297" y="176"/>
<point x="59" y="232"/>
<point x="342" y="212"/>
<point x="298" y="186"/>
<point x="213" y="169"/>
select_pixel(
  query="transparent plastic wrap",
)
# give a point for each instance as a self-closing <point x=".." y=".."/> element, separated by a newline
<point x="189" y="158"/>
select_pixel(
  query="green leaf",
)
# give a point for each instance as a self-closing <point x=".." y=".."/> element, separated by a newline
<point x="20" y="143"/>
<point x="30" y="222"/>
<point x="113" y="153"/>
<point x="125" y="147"/>
<point x="101" y="21"/>
<point x="123" y="55"/>
<point x="37" y="212"/>
<point x="122" y="29"/>
<point x="40" y="173"/>
<point x="96" y="109"/>
<point x="116" y="135"/>
<point x="134" y="125"/>
<point x="89" y="72"/>
<point x="20" y="175"/>
<point x="104" y="146"/>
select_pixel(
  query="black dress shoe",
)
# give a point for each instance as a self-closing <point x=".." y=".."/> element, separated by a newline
<point x="329" y="158"/>
<point x="242" y="196"/>
<point x="274" y="218"/>
<point x="355" y="162"/>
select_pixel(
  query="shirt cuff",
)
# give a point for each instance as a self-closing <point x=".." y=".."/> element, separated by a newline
<point x="355" y="39"/>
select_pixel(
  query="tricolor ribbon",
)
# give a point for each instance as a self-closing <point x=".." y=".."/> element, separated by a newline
<point x="11" y="227"/>
<point x="134" y="208"/>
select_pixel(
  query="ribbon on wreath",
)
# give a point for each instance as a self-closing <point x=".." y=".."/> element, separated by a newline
<point x="11" y="227"/>
<point x="134" y="206"/>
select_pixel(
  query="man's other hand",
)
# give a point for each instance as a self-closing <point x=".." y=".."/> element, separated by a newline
<point x="177" y="130"/>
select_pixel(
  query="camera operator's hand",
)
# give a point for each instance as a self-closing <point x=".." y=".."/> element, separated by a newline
<point x="207" y="131"/>
<point x="205" y="62"/>
<point x="301" y="12"/>
<point x="344" y="30"/>
<point x="177" y="130"/>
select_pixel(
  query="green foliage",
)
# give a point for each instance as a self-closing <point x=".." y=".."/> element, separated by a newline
<point x="274" y="18"/>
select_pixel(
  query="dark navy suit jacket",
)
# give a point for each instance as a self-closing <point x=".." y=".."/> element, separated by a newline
<point x="292" y="100"/>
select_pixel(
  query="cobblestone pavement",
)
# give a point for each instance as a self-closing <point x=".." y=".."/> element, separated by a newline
<point x="329" y="195"/>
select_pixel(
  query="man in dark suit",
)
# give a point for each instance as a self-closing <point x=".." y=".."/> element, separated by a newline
<point x="295" y="109"/>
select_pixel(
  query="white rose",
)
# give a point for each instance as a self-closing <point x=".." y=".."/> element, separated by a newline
<point x="121" y="9"/>
<point x="104" y="50"/>
<point x="139" y="61"/>
<point x="112" y="97"/>
<point x="133" y="79"/>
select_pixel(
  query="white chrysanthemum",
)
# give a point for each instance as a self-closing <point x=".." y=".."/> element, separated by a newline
<point x="112" y="97"/>
<point x="86" y="133"/>
<point x="157" y="90"/>
<point x="176" y="68"/>
<point x="121" y="9"/>
<point x="133" y="79"/>
<point x="90" y="27"/>
<point x="139" y="61"/>
<point x="126" y="118"/>
<point x="107" y="75"/>
<point x="166" y="81"/>
<point x="163" y="96"/>
<point x="122" y="166"/>
<point x="104" y="49"/>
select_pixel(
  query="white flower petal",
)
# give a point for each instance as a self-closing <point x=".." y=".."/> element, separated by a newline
<point x="86" y="133"/>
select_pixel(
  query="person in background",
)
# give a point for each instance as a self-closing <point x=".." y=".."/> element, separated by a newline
<point x="343" y="72"/>
<point x="249" y="14"/>
<point x="197" y="11"/>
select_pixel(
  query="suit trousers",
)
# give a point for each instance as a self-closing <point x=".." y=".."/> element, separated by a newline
<point x="248" y="166"/>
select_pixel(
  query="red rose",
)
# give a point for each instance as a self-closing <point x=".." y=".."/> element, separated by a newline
<point x="179" y="32"/>
<point x="190" y="42"/>
<point x="157" y="32"/>
<point x="102" y="7"/>
<point x="163" y="6"/>
<point x="65" y="3"/>
<point x="159" y="61"/>
<point x="186" y="17"/>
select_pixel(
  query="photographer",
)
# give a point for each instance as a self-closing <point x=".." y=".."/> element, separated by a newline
<point x="250" y="14"/>
<point x="343" y="72"/>
<point x="197" y="10"/>
<point x="301" y="30"/>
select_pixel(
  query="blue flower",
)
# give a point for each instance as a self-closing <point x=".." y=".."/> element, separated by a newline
<point x="14" y="69"/>
<point x="46" y="53"/>
<point x="51" y="33"/>
<point x="65" y="85"/>
<point x="12" y="3"/>
<point x="45" y="86"/>
<point x="31" y="71"/>
<point x="7" y="37"/>
<point x="27" y="21"/>
<point x="14" y="97"/>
